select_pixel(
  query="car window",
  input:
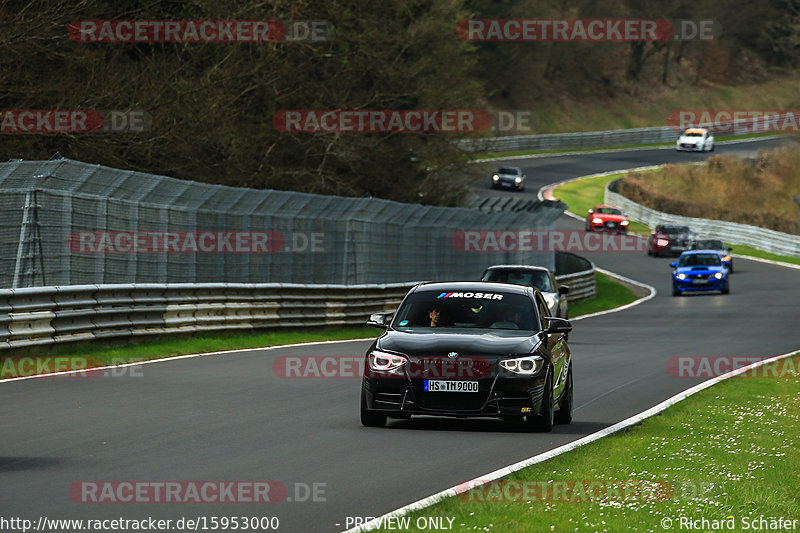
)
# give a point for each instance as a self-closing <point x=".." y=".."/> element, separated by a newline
<point x="608" y="211"/>
<point x="512" y="171"/>
<point x="709" y="245"/>
<point x="544" y="311"/>
<point x="674" y="230"/>
<point x="691" y="260"/>
<point x="693" y="134"/>
<point x="466" y="309"/>
<point x="531" y="278"/>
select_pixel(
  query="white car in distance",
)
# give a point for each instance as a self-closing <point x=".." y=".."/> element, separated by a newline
<point x="695" y="140"/>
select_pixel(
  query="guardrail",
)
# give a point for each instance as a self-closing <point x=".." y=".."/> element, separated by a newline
<point x="598" y="139"/>
<point x="559" y="141"/>
<point x="579" y="276"/>
<point x="732" y="232"/>
<point x="46" y="315"/>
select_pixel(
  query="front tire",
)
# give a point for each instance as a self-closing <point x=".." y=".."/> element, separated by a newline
<point x="564" y="413"/>
<point x="369" y="418"/>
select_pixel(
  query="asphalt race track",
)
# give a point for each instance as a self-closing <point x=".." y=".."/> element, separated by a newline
<point x="230" y="418"/>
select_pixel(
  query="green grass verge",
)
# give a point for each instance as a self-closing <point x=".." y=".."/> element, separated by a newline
<point x="610" y="294"/>
<point x="582" y="195"/>
<point x="732" y="450"/>
<point x="743" y="249"/>
<point x="143" y="348"/>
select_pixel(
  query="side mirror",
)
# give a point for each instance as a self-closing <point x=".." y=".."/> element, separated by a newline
<point x="673" y="264"/>
<point x="563" y="289"/>
<point x="591" y="211"/>
<point x="557" y="325"/>
<point x="729" y="248"/>
<point x="380" y="320"/>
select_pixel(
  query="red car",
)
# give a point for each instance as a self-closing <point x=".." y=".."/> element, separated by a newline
<point x="606" y="218"/>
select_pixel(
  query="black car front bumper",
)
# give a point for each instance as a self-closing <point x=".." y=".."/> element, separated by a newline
<point x="499" y="396"/>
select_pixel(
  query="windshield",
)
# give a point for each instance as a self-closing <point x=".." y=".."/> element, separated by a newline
<point x="608" y="211"/>
<point x="674" y="230"/>
<point x="693" y="134"/>
<point x="512" y="171"/>
<point x="709" y="245"/>
<point x="465" y="309"/>
<point x="699" y="260"/>
<point x="532" y="278"/>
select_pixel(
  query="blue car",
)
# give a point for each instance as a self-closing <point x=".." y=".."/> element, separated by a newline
<point x="699" y="270"/>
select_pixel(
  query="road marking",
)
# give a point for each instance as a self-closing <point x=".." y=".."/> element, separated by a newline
<point x="508" y="470"/>
<point x="185" y="356"/>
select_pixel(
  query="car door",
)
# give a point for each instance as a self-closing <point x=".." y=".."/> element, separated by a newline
<point x="556" y="347"/>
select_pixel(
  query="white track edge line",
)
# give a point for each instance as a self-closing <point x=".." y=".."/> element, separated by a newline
<point x="176" y="358"/>
<point x="769" y="261"/>
<point x="616" y="428"/>
<point x="652" y="293"/>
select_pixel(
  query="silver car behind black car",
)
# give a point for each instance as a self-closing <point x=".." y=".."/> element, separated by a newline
<point x="509" y="178"/>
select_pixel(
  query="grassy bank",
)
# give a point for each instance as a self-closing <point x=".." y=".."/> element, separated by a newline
<point x="653" y="108"/>
<point x="732" y="450"/>
<point x="610" y="294"/>
<point x="755" y="192"/>
<point x="582" y="195"/>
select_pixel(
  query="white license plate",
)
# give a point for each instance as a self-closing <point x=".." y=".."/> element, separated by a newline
<point x="442" y="385"/>
<point x="699" y="281"/>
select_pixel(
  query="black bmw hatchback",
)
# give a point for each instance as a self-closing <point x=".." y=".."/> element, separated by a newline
<point x="469" y="349"/>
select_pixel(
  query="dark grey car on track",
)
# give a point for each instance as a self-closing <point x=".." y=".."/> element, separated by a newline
<point x="470" y="349"/>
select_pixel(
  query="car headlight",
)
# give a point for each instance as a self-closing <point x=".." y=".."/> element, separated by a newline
<point x="385" y="362"/>
<point x="718" y="275"/>
<point x="596" y="220"/>
<point x="727" y="258"/>
<point x="528" y="365"/>
<point x="517" y="180"/>
<point x="680" y="276"/>
<point x="662" y="242"/>
<point x="495" y="178"/>
<point x="623" y="223"/>
<point x="551" y="301"/>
